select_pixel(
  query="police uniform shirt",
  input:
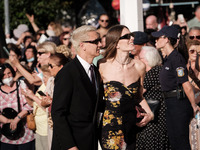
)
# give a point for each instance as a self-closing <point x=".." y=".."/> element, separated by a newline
<point x="174" y="71"/>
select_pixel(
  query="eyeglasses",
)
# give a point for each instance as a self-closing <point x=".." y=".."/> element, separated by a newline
<point x="51" y="66"/>
<point x="94" y="41"/>
<point x="126" y="36"/>
<point x="40" y="53"/>
<point x="104" y="20"/>
<point x="192" y="51"/>
<point x="197" y="37"/>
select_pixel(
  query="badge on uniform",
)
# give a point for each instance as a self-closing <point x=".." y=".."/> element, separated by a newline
<point x="180" y="71"/>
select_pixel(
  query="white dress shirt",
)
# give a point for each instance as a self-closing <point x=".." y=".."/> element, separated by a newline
<point x="85" y="65"/>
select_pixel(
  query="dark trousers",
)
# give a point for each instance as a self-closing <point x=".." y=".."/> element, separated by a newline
<point x="26" y="146"/>
<point x="178" y="116"/>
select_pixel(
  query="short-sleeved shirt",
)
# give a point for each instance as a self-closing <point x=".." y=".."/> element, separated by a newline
<point x="194" y="22"/>
<point x="174" y="71"/>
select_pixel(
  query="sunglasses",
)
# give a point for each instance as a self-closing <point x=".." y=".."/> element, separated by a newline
<point x="192" y="51"/>
<point x="66" y="39"/>
<point x="127" y="36"/>
<point x="51" y="66"/>
<point x="197" y="37"/>
<point x="40" y="53"/>
<point x="94" y="41"/>
<point x="104" y="20"/>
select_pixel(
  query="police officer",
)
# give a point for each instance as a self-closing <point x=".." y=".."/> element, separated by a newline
<point x="176" y="88"/>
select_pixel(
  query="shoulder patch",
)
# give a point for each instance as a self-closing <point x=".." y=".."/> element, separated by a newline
<point x="180" y="71"/>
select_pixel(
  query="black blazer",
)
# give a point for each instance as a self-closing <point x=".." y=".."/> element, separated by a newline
<point x="74" y="108"/>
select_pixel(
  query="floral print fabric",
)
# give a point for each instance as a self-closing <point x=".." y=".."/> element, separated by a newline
<point x="112" y="132"/>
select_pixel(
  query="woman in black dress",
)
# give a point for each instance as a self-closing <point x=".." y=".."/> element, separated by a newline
<point x="154" y="135"/>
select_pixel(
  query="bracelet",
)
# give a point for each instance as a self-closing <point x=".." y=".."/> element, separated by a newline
<point x="19" y="117"/>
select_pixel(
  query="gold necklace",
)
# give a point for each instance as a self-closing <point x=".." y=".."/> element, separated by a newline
<point x="129" y="60"/>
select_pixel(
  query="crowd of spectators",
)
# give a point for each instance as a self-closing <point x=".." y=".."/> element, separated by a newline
<point x="129" y="70"/>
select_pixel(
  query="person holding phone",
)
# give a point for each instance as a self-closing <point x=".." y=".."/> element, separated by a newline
<point x="41" y="136"/>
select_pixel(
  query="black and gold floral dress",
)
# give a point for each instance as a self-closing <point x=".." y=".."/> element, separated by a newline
<point x="119" y="119"/>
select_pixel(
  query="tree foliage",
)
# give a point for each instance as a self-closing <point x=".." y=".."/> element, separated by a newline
<point x="44" y="11"/>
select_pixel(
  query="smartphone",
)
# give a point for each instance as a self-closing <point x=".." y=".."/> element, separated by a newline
<point x="6" y="51"/>
<point x="181" y="18"/>
<point x="41" y="93"/>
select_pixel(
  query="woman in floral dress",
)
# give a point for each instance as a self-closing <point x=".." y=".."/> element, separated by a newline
<point x="122" y="77"/>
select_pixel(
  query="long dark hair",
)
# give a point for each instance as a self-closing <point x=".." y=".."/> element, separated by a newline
<point x="3" y="68"/>
<point x="112" y="38"/>
<point x="14" y="48"/>
<point x="35" y="57"/>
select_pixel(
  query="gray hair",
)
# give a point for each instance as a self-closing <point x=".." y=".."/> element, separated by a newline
<point x="152" y="56"/>
<point x="81" y="34"/>
<point x="194" y="28"/>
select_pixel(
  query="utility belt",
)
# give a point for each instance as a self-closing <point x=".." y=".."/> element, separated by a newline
<point x="178" y="93"/>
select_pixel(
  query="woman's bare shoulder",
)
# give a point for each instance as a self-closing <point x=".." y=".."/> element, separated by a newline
<point x="104" y="62"/>
<point x="139" y="65"/>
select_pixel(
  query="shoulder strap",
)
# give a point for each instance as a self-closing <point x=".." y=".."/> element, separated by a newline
<point x="18" y="99"/>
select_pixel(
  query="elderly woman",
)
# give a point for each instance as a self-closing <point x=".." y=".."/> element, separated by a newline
<point x="193" y="47"/>
<point x="56" y="63"/>
<point x="122" y="77"/>
<point x="178" y="92"/>
<point x="12" y="99"/>
<point x="154" y="135"/>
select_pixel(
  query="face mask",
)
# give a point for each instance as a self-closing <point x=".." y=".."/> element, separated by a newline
<point x="31" y="59"/>
<point x="8" y="81"/>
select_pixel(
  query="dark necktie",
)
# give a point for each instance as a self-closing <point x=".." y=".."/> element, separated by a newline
<point x="92" y="76"/>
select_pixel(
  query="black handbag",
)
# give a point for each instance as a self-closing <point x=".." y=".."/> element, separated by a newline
<point x="154" y="105"/>
<point x="6" y="131"/>
<point x="10" y="113"/>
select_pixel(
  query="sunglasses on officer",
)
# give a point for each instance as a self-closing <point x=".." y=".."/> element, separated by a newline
<point x="127" y="36"/>
<point x="197" y="37"/>
<point x="94" y="41"/>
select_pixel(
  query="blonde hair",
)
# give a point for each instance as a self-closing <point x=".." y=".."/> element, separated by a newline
<point x="47" y="47"/>
<point x="81" y="34"/>
<point x="45" y="68"/>
<point x="64" y="50"/>
<point x="57" y="28"/>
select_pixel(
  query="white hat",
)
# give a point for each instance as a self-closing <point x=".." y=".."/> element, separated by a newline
<point x="20" y="29"/>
